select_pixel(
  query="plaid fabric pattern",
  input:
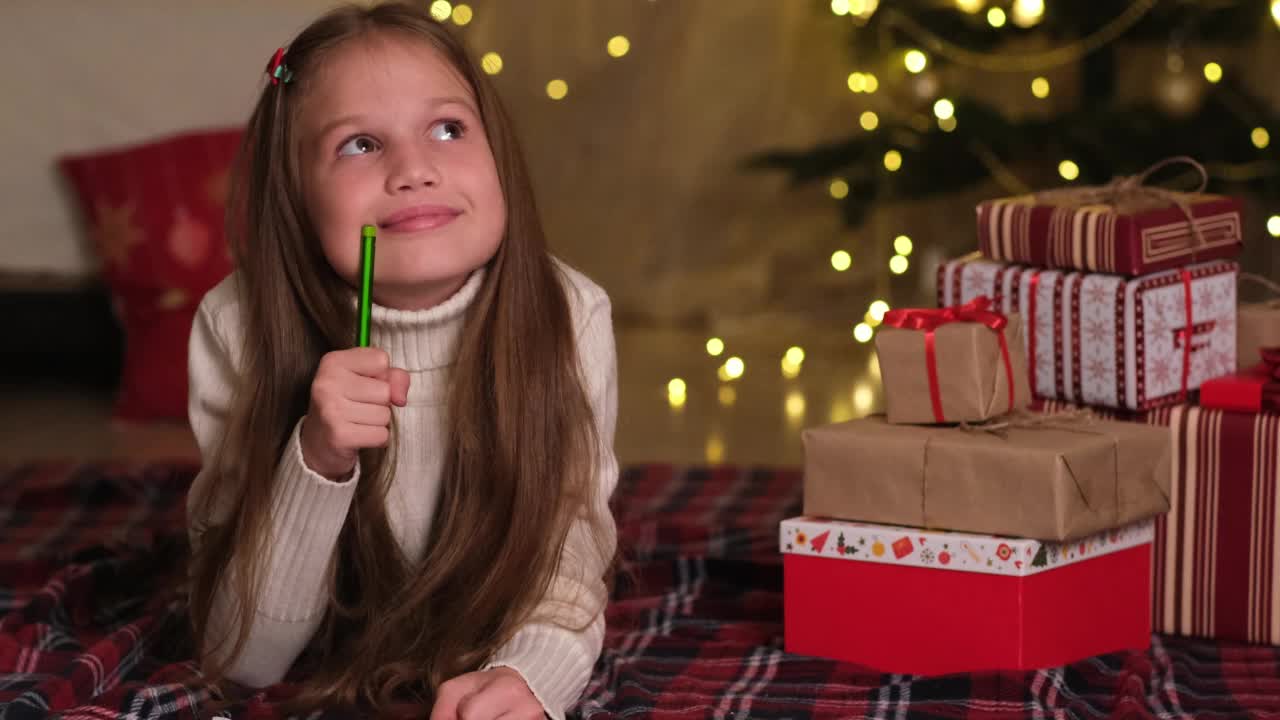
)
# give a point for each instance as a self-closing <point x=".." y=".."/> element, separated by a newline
<point x="90" y="630"/>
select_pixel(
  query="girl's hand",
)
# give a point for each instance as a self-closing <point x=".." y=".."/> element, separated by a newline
<point x="486" y="695"/>
<point x="351" y="398"/>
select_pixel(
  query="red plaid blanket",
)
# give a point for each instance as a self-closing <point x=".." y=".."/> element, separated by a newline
<point x="89" y="627"/>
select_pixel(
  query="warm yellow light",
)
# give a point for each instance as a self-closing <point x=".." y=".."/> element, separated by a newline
<point x="795" y="354"/>
<point x="676" y="386"/>
<point x="862" y="332"/>
<point x="970" y="6"/>
<point x="557" y="89"/>
<point x="996" y="17"/>
<point x="1040" y="88"/>
<point x="873" y="366"/>
<point x="1212" y="72"/>
<point x="734" y="367"/>
<point x="902" y="245"/>
<point x="863" y="9"/>
<point x="841" y="411"/>
<point x="944" y="109"/>
<point x="878" y="309"/>
<point x="462" y="14"/>
<point x="1027" y="12"/>
<point x="1275" y="11"/>
<point x="722" y="372"/>
<point x="872" y="84"/>
<point x="491" y="63"/>
<point x="1068" y="170"/>
<point x="869" y="120"/>
<point x="727" y="395"/>
<point x="441" y="10"/>
<point x="840" y="7"/>
<point x="838" y="188"/>
<point x="870" y="319"/>
<point x="898" y="264"/>
<point x="862" y="396"/>
<point x="857" y="82"/>
<point x="715" y="449"/>
<point x="790" y="370"/>
<point x="794" y="405"/>
<point x="915" y="61"/>
<point x="892" y="160"/>
<point x="947" y="124"/>
<point x="841" y="260"/>
<point x="618" y="46"/>
<point x="1261" y="138"/>
<point x="715" y="346"/>
<point x="1273" y="225"/>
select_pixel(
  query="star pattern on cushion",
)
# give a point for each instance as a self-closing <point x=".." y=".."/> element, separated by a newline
<point x="188" y="239"/>
<point x="116" y="234"/>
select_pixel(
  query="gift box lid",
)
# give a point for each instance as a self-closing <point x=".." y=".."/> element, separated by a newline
<point x="942" y="550"/>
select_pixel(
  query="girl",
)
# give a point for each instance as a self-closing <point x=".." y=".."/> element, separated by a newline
<point x="424" y="521"/>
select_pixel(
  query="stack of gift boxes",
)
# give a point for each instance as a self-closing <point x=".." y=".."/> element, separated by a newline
<point x="961" y="532"/>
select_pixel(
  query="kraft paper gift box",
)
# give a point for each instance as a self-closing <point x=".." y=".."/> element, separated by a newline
<point x="1055" y="482"/>
<point x="902" y="600"/>
<point x="1107" y="340"/>
<point x="951" y="365"/>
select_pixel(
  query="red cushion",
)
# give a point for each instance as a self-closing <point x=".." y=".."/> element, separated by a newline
<point x="154" y="213"/>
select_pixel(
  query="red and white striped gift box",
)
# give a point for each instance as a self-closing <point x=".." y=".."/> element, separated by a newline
<point x="1217" y="552"/>
<point x="1108" y="340"/>
<point x="1099" y="238"/>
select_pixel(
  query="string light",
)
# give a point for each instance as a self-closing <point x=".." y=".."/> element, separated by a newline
<point x="557" y="89"/>
<point x="794" y="405"/>
<point x="1027" y="12"/>
<point x="898" y="264"/>
<point x="441" y="10"/>
<point x="618" y="46"/>
<point x="915" y="61"/>
<point x="857" y="82"/>
<point x="971" y="6"/>
<point x="944" y="109"/>
<point x="727" y="395"/>
<point x="947" y="124"/>
<point x="1273" y="225"/>
<point x="734" y="367"/>
<point x="869" y="120"/>
<point x="863" y="9"/>
<point x="715" y="448"/>
<point x="462" y="15"/>
<point x="491" y="63"/>
<point x="1275" y="11"/>
<point x="794" y="355"/>
<point x="1212" y="72"/>
<point x="870" y="319"/>
<point x="676" y="393"/>
<point x="902" y="245"/>
<point x="996" y="17"/>
<point x="1040" y="88"/>
<point x="892" y="160"/>
<point x="862" y="332"/>
<point x="715" y="346"/>
<point x="840" y="7"/>
<point x="841" y="260"/>
<point x="790" y="370"/>
<point x="877" y="309"/>
<point x="838" y="188"/>
<point x="1068" y="170"/>
<point x="872" y="84"/>
<point x="1261" y="138"/>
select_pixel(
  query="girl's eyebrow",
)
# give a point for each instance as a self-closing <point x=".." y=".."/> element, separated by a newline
<point x="434" y="103"/>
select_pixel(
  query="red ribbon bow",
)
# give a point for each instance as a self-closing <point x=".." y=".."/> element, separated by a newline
<point x="978" y="311"/>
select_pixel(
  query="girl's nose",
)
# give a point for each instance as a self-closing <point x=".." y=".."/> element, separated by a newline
<point x="413" y="168"/>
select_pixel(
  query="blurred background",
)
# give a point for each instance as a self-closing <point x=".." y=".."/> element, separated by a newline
<point x="754" y="182"/>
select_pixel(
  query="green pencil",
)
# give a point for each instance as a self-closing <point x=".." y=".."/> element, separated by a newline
<point x="368" y="235"/>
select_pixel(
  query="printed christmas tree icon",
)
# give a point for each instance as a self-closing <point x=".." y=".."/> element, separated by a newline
<point x="820" y="541"/>
<point x="1041" y="558"/>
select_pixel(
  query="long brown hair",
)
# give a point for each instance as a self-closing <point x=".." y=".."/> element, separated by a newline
<point x="522" y="451"/>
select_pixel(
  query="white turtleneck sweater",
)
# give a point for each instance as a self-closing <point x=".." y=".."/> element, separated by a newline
<point x="308" y="511"/>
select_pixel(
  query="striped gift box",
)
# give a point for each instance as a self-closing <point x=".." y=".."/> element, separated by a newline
<point x="1108" y="340"/>
<point x="1216" y="569"/>
<point x="1098" y="238"/>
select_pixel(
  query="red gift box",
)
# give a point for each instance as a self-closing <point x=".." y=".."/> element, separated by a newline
<point x="904" y="600"/>
<point x="1107" y="340"/>
<point x="1217" y="551"/>
<point x="1254" y="390"/>
<point x="1151" y="235"/>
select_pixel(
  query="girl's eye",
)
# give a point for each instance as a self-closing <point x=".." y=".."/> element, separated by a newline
<point x="358" y="145"/>
<point x="448" y="130"/>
